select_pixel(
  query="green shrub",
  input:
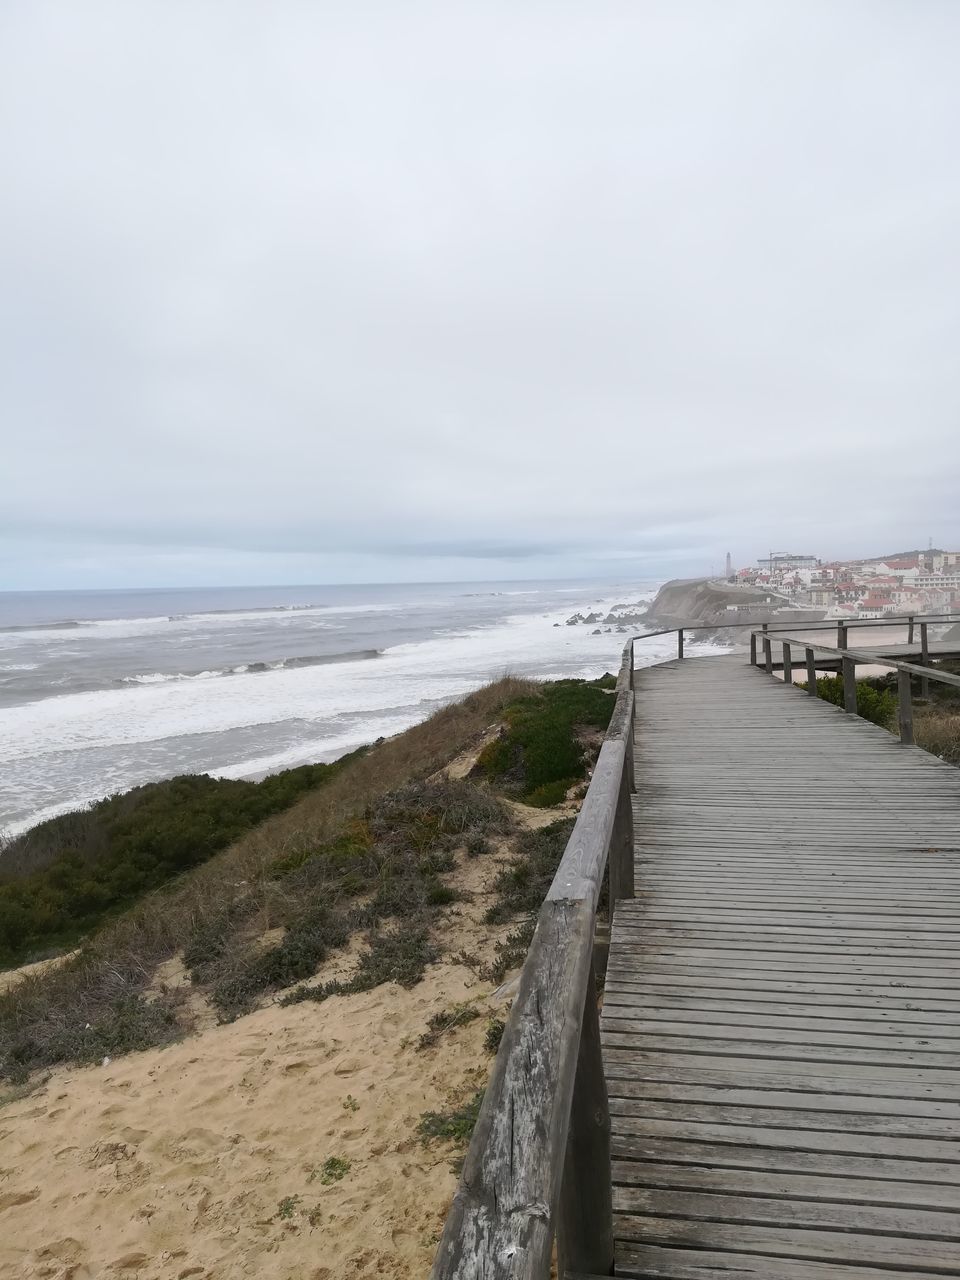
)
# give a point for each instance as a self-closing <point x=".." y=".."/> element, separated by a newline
<point x="521" y="885"/>
<point x="288" y="1206"/>
<point x="305" y="945"/>
<point x="538" y="756"/>
<point x="550" y="794"/>
<point x="395" y="855"/>
<point x="66" y="876"/>
<point x="456" y="1124"/>
<point x="494" y="1034"/>
<point x="879" y="705"/>
<point x="401" y="957"/>
<point x="107" y="1024"/>
<point x="333" y="1169"/>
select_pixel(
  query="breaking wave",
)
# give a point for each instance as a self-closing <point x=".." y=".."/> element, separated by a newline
<point x="253" y="668"/>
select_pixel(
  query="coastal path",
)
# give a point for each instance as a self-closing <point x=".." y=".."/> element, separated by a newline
<point x="781" y="1015"/>
<point x="771" y="1089"/>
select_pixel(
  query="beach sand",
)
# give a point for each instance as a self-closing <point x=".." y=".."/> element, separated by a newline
<point x="204" y="1159"/>
<point x="174" y="1163"/>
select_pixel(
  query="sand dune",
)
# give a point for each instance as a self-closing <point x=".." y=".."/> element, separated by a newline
<point x="205" y="1159"/>
<point x="174" y="1163"/>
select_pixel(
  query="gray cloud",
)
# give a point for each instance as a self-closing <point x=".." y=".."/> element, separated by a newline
<point x="319" y="291"/>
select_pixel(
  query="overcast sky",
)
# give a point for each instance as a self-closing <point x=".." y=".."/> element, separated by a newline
<point x="311" y="292"/>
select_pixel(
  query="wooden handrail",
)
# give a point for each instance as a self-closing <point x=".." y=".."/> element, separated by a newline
<point x="848" y="664"/>
<point x="891" y="620"/>
<point x="538" y="1165"/>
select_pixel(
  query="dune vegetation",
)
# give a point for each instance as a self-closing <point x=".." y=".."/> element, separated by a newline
<point x="356" y="860"/>
<point x="64" y="877"/>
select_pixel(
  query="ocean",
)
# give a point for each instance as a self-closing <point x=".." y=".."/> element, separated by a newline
<point x="103" y="690"/>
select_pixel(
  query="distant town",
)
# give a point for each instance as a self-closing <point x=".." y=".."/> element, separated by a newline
<point x="912" y="581"/>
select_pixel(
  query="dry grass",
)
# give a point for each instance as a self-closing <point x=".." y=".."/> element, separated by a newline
<point x="99" y="1003"/>
<point x="412" y="755"/>
<point x="937" y="729"/>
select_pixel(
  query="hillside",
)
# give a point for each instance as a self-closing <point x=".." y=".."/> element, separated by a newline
<point x="708" y="602"/>
<point x="272" y="1061"/>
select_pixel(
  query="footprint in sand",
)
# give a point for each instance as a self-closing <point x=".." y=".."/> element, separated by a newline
<point x="134" y="1136"/>
<point x="67" y="1250"/>
<point x="349" y="1067"/>
<point x="12" y="1198"/>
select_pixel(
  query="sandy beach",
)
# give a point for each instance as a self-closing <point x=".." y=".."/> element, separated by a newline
<point x="205" y="1159"/>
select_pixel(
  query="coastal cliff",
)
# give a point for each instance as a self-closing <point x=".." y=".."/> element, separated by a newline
<point x="708" y="602"/>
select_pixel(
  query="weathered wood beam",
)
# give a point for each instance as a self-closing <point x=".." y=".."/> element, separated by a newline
<point x="906" y="708"/>
<point x="850" y="685"/>
<point x="585" y="1222"/>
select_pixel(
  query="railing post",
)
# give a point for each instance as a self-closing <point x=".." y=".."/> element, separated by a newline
<point x="849" y="685"/>
<point x="680" y="642"/>
<point x="753" y="648"/>
<point x="909" y="628"/>
<point x="924" y="660"/>
<point x="585" y="1219"/>
<point x="906" y="708"/>
<point x="620" y="857"/>
<point x="841" y="635"/>
<point x="767" y="656"/>
<point x="787" y="664"/>
<point x="811" y="674"/>
<point x="629" y="764"/>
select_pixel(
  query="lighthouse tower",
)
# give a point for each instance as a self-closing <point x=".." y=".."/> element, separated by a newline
<point x="729" y="566"/>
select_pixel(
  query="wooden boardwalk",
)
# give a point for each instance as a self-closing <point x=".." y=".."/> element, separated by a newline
<point x="781" y="1020"/>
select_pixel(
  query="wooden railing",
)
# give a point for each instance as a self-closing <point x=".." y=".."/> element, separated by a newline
<point x="848" y="659"/>
<point x="538" y="1166"/>
<point x="843" y="625"/>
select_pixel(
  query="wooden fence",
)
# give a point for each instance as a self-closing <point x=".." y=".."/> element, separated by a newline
<point x="538" y="1166"/>
<point x="848" y="659"/>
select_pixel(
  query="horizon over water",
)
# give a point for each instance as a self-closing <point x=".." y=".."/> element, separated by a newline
<point x="101" y="691"/>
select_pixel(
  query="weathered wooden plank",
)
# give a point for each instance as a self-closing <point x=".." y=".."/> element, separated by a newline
<point x="877" y="1014"/>
<point x="795" y="1117"/>
<point x="841" y="959"/>
<point x="638" y="1149"/>
<point x="940" y="1257"/>
<point x="673" y="1262"/>
<point x="946" y="1033"/>
<point x="744" y="1058"/>
<point x="622" y="1067"/>
<point x="881" y="994"/>
<point x="745" y="1093"/>
<point x="798" y="1139"/>
<point x="837" y="1188"/>
<point x="762" y="1210"/>
<point x="767" y="1043"/>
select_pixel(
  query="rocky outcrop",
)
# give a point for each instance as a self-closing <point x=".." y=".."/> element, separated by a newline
<point x="705" y="602"/>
